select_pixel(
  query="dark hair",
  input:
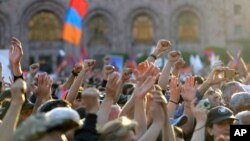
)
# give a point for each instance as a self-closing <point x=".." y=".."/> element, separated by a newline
<point x="46" y="107"/>
<point x="127" y="89"/>
<point x="199" y="79"/>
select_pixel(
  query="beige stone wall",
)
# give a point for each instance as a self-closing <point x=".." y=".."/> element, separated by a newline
<point x="217" y="22"/>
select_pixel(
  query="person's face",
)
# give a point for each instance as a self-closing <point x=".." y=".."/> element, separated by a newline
<point x="77" y="103"/>
<point x="53" y="136"/>
<point x="130" y="136"/>
<point x="215" y="99"/>
<point x="221" y="128"/>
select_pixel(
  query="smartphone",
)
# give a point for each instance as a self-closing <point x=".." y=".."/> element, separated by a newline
<point x="230" y="74"/>
<point x="204" y="103"/>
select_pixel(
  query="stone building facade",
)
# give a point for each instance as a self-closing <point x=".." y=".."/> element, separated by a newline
<point x="124" y="26"/>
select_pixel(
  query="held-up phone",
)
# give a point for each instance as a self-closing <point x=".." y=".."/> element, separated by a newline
<point x="204" y="103"/>
<point x="230" y="74"/>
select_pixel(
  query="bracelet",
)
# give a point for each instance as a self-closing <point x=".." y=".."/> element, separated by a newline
<point x="199" y="128"/>
<point x="18" y="77"/>
<point x="75" y="74"/>
<point x="152" y="55"/>
<point x="173" y="102"/>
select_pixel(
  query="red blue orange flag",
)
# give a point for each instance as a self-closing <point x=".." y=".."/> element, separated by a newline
<point x="72" y="29"/>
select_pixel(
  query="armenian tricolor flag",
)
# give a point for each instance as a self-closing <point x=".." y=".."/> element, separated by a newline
<point x="72" y="30"/>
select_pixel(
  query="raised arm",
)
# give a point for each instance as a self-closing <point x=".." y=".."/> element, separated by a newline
<point x="76" y="70"/>
<point x="145" y="83"/>
<point x="173" y="56"/>
<point x="177" y="66"/>
<point x="161" y="47"/>
<point x="188" y="94"/>
<point x="88" y="65"/>
<point x="212" y="79"/>
<point x="105" y="108"/>
<point x="33" y="69"/>
<point x="44" y="84"/>
<point x="15" y="54"/>
<point x="11" y="118"/>
<point x="200" y="114"/>
<point x="158" y="120"/>
<point x="175" y="91"/>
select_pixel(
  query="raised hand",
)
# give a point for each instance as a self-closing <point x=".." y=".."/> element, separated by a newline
<point x="199" y="112"/>
<point x="18" y="90"/>
<point x="157" y="110"/>
<point x="112" y="84"/>
<point x="174" y="56"/>
<point x="175" y="89"/>
<point x="189" y="89"/>
<point x="34" y="68"/>
<point x="179" y="64"/>
<point x="213" y="78"/>
<point x="44" y="85"/>
<point x="162" y="46"/>
<point x="107" y="70"/>
<point x="16" y="51"/>
<point x="88" y="64"/>
<point x="77" y="68"/>
<point x="127" y="72"/>
<point x="146" y="80"/>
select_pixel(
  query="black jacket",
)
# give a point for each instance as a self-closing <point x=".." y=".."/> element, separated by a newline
<point x="88" y="132"/>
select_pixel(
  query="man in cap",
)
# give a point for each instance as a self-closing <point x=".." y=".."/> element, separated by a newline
<point x="218" y="123"/>
<point x="48" y="127"/>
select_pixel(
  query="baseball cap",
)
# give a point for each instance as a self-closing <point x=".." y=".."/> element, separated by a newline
<point x="59" y="119"/>
<point x="218" y="114"/>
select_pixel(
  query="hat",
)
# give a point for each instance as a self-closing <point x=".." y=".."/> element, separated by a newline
<point x="60" y="119"/>
<point x="218" y="114"/>
<point x="179" y="121"/>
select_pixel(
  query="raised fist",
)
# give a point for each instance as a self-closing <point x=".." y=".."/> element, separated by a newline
<point x="174" y="56"/>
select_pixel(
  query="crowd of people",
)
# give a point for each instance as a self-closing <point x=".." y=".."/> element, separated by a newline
<point x="143" y="104"/>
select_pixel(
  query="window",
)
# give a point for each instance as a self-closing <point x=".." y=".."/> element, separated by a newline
<point x="98" y="30"/>
<point x="237" y="30"/>
<point x="188" y="27"/>
<point x="44" y="26"/>
<point x="237" y="9"/>
<point x="143" y="29"/>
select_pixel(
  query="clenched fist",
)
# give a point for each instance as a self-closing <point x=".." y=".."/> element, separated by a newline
<point x="174" y="56"/>
<point x="162" y="46"/>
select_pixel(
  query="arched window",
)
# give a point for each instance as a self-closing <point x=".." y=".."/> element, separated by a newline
<point x="44" y="26"/>
<point x="188" y="27"/>
<point x="98" y="30"/>
<point x="143" y="29"/>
